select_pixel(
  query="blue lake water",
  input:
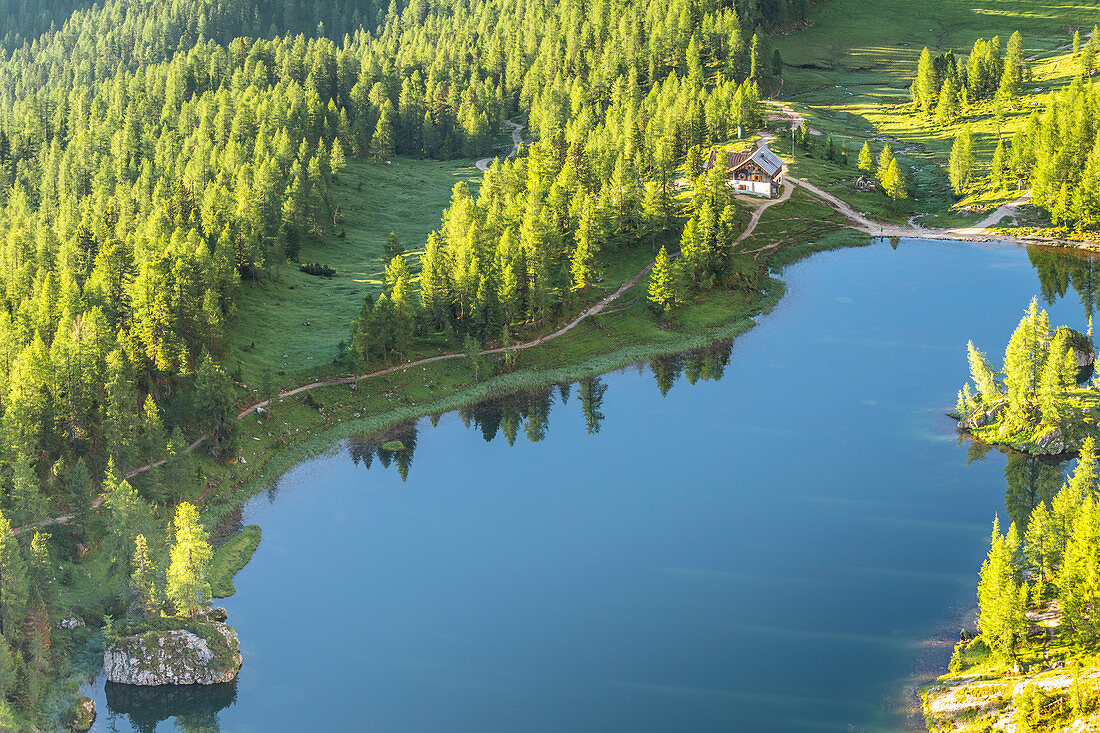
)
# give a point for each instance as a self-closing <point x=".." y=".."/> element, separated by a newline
<point x="790" y="547"/>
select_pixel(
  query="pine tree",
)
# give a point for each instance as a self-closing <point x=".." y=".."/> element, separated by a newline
<point x="188" y="586"/>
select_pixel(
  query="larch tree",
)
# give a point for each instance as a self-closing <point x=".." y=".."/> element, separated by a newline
<point x="662" y="284"/>
<point x="27" y="501"/>
<point x="1059" y="375"/>
<point x="214" y="404"/>
<point x="947" y="103"/>
<point x="143" y="586"/>
<point x="13" y="585"/>
<point x="128" y="515"/>
<point x="81" y="493"/>
<point x="885" y="158"/>
<point x="1083" y="481"/>
<point x="982" y="374"/>
<point x="188" y="584"/>
<point x="866" y="160"/>
<point x="923" y="89"/>
<point x="960" y="166"/>
<point x="1001" y="617"/>
<point x="894" y="183"/>
<point x="1078" y="580"/>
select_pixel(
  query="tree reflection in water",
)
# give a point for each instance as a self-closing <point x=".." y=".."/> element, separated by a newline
<point x="195" y="707"/>
<point x="529" y="411"/>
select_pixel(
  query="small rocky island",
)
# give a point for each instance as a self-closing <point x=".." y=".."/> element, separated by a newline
<point x="177" y="640"/>
<point x="1040" y="402"/>
<point x="202" y="652"/>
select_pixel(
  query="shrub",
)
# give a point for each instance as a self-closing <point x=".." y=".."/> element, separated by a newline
<point x="316" y="268"/>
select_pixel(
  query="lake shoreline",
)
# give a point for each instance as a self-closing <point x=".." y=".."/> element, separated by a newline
<point x="734" y="322"/>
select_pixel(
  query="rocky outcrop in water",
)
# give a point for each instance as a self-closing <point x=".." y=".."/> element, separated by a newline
<point x="204" y="653"/>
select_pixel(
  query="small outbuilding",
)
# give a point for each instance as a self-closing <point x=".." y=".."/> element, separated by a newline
<point x="863" y="183"/>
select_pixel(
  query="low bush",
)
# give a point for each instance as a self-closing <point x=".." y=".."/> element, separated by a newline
<point x="316" y="268"/>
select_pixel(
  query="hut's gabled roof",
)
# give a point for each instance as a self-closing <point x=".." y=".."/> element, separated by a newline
<point x="766" y="159"/>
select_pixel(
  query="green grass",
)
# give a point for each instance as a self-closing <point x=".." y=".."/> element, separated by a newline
<point x="406" y="198"/>
<point x="228" y="560"/>
<point x="800" y="219"/>
<point x="848" y="73"/>
<point x="866" y="47"/>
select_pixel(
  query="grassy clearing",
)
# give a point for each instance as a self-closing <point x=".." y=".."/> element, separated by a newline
<point x="800" y="219"/>
<point x="405" y="198"/>
<point x="228" y="560"/>
<point x="848" y="73"/>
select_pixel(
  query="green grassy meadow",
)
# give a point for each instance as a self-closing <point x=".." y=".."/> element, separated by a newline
<point x="849" y="70"/>
<point x="406" y="198"/>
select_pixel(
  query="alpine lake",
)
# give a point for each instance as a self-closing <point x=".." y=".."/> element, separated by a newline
<point x="778" y="534"/>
